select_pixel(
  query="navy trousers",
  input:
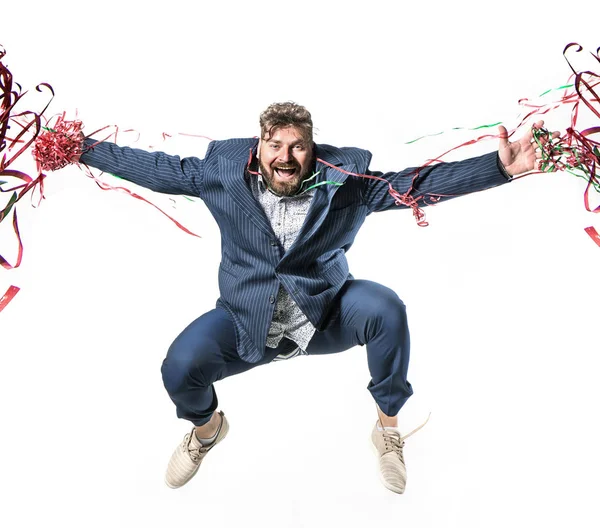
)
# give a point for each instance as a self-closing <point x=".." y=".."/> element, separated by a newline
<point x="365" y="313"/>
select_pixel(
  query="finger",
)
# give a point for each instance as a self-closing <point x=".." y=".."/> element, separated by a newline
<point x="502" y="136"/>
<point x="537" y="133"/>
<point x="542" y="139"/>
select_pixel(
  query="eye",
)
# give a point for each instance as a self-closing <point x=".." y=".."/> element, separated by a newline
<point x="299" y="147"/>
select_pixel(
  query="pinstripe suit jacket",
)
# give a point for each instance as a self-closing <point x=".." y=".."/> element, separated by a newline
<point x="253" y="263"/>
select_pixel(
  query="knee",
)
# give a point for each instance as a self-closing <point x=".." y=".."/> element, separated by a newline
<point x="387" y="313"/>
<point x="388" y="306"/>
<point x="391" y="302"/>
<point x="182" y="370"/>
<point x="175" y="374"/>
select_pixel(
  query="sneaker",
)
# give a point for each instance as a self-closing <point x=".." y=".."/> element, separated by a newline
<point x="389" y="445"/>
<point x="392" y="469"/>
<point x="188" y="456"/>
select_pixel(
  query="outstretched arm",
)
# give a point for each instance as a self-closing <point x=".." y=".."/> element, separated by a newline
<point x="157" y="171"/>
<point x="442" y="181"/>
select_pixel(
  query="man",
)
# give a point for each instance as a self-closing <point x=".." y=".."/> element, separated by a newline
<point x="288" y="210"/>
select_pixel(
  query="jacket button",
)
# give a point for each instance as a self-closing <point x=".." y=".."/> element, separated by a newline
<point x="272" y="299"/>
<point x="273" y="243"/>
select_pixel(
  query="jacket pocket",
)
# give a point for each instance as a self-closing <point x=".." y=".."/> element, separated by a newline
<point x="337" y="272"/>
<point x="225" y="269"/>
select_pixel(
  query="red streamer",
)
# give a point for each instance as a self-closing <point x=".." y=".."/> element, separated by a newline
<point x="29" y="126"/>
<point x="400" y="199"/>
<point x="593" y="234"/>
<point x="61" y="146"/>
<point x="8" y="296"/>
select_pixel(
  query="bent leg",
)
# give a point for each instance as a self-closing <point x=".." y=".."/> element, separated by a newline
<point x="369" y="313"/>
<point x="203" y="353"/>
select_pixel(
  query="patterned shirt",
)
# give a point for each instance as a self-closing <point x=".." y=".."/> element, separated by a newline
<point x="286" y="215"/>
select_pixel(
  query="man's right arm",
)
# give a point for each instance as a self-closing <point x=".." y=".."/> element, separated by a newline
<point x="156" y="171"/>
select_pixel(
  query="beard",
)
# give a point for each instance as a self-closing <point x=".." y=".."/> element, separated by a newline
<point x="287" y="187"/>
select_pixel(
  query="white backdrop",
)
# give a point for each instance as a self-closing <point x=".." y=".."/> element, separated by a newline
<point x="501" y="287"/>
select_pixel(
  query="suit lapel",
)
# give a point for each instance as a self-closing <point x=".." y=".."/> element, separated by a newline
<point x="232" y="176"/>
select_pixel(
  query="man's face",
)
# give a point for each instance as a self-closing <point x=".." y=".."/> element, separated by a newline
<point x="285" y="160"/>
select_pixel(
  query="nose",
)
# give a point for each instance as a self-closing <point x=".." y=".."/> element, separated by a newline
<point x="285" y="153"/>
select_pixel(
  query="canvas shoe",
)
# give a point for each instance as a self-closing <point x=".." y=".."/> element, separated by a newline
<point x="188" y="456"/>
<point x="389" y="445"/>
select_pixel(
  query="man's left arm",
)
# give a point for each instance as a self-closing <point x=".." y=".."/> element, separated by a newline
<point x="443" y="181"/>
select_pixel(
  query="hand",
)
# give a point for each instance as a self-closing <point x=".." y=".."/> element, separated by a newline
<point x="522" y="155"/>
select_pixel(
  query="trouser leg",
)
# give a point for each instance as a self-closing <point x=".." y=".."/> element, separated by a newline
<point x="369" y="313"/>
<point x="202" y="354"/>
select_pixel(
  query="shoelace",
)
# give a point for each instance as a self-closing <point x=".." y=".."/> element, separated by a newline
<point x="195" y="453"/>
<point x="394" y="442"/>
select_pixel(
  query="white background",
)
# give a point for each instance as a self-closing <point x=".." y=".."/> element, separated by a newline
<point x="501" y="288"/>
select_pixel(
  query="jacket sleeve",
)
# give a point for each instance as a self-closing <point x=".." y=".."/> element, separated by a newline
<point x="156" y="171"/>
<point x="436" y="182"/>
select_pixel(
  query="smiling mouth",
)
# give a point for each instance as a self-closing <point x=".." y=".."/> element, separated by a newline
<point x="285" y="172"/>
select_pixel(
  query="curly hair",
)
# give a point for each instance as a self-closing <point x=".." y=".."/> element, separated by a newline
<point x="282" y="115"/>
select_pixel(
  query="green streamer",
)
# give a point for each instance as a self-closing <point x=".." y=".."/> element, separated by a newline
<point x="564" y="87"/>
<point x="337" y="184"/>
<point x="6" y="210"/>
<point x="553" y="150"/>
<point x="491" y="125"/>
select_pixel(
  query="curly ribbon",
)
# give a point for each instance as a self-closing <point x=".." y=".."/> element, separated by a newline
<point x="55" y="150"/>
<point x="29" y="123"/>
<point x="575" y="152"/>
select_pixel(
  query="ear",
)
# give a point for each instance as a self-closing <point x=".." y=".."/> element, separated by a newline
<point x="258" y="148"/>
